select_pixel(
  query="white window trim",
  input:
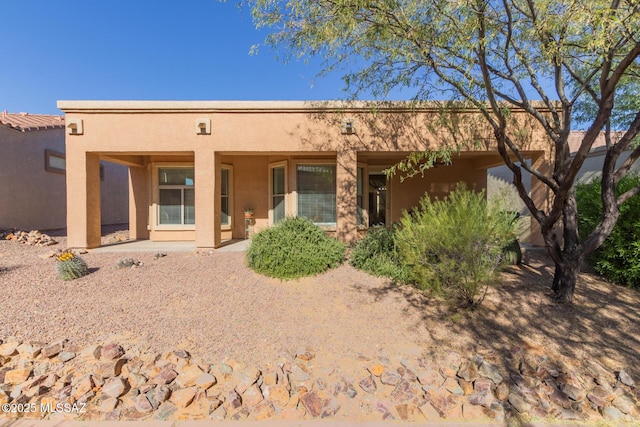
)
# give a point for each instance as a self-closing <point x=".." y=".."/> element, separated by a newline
<point x="294" y="192"/>
<point x="156" y="196"/>
<point x="230" y="192"/>
<point x="282" y="164"/>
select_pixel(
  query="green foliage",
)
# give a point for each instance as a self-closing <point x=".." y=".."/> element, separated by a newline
<point x="293" y="248"/>
<point x="454" y="247"/>
<point x="376" y="254"/>
<point x="548" y="59"/>
<point x="618" y="258"/>
<point x="71" y="266"/>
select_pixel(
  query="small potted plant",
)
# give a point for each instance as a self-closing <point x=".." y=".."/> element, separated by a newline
<point x="248" y="213"/>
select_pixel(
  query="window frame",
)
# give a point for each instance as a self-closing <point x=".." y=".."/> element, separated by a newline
<point x="48" y="154"/>
<point x="315" y="162"/>
<point x="229" y="196"/>
<point x="158" y="187"/>
<point x="281" y="164"/>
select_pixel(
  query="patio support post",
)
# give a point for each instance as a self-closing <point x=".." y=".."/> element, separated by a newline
<point x="138" y="203"/>
<point x="83" y="199"/>
<point x="347" y="195"/>
<point x="207" y="186"/>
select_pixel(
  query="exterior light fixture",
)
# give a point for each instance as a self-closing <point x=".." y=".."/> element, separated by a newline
<point x="74" y="127"/>
<point x="348" y="127"/>
<point x="203" y="126"/>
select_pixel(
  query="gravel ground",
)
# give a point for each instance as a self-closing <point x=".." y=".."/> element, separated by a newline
<point x="210" y="304"/>
<point x="214" y="306"/>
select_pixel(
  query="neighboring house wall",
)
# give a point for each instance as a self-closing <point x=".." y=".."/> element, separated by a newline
<point x="32" y="197"/>
<point x="195" y="165"/>
<point x="500" y="188"/>
<point x="592" y="167"/>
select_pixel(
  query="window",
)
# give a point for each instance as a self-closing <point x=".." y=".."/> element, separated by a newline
<point x="278" y="192"/>
<point x="176" y="201"/>
<point x="54" y="162"/>
<point x="225" y="196"/>
<point x="316" y="188"/>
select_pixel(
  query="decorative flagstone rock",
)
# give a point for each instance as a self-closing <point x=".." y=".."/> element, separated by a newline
<point x="183" y="397"/>
<point x="519" y="403"/>
<point x="453" y="387"/>
<point x="165" y="411"/>
<point x="319" y="404"/>
<point x="481" y="398"/>
<point x="390" y="378"/>
<point x="205" y="380"/>
<point x="16" y="376"/>
<point x="30" y="350"/>
<point x="165" y="376"/>
<point x="51" y="350"/>
<point x="173" y="385"/>
<point x="429" y="377"/>
<point x="114" y="387"/>
<point x="188" y="375"/>
<point x="487" y="370"/>
<point x="278" y="394"/>
<point x="252" y="396"/>
<point x="263" y="410"/>
<point x="625" y="379"/>
<point x="368" y="384"/>
<point x="112" y="351"/>
<point x="402" y="393"/>
<point x="142" y="404"/>
<point x="468" y="371"/>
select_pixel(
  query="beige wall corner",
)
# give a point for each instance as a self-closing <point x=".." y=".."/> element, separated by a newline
<point x="83" y="199"/>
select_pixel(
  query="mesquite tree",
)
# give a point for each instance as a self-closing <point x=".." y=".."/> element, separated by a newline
<point x="561" y="61"/>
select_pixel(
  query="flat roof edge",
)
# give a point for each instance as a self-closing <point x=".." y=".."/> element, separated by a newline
<point x="69" y="106"/>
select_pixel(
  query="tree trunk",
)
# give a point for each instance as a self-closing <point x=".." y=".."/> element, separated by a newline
<point x="564" y="280"/>
<point x="568" y="267"/>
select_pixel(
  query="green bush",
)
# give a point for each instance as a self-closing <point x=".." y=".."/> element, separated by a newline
<point x="618" y="258"/>
<point x="376" y="254"/>
<point x="454" y="247"/>
<point x="293" y="248"/>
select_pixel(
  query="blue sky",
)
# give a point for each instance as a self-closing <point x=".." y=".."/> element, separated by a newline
<point x="140" y="49"/>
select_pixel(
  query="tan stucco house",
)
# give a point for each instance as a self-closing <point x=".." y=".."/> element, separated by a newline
<point x="33" y="172"/>
<point x="195" y="166"/>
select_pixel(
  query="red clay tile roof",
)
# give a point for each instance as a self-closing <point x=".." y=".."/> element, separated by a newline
<point x="27" y="122"/>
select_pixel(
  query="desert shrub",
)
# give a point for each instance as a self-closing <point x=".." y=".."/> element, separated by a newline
<point x="618" y="258"/>
<point x="70" y="266"/>
<point x="293" y="248"/>
<point x="454" y="247"/>
<point x="376" y="254"/>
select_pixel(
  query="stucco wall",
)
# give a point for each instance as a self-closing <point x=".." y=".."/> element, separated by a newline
<point x="249" y="136"/>
<point x="34" y="198"/>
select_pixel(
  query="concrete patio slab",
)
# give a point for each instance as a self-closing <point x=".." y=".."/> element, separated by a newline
<point x="151" y="246"/>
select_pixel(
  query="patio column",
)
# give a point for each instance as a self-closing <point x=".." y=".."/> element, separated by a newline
<point x="207" y="186"/>
<point x="346" y="195"/>
<point x="83" y="199"/>
<point x="138" y="203"/>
